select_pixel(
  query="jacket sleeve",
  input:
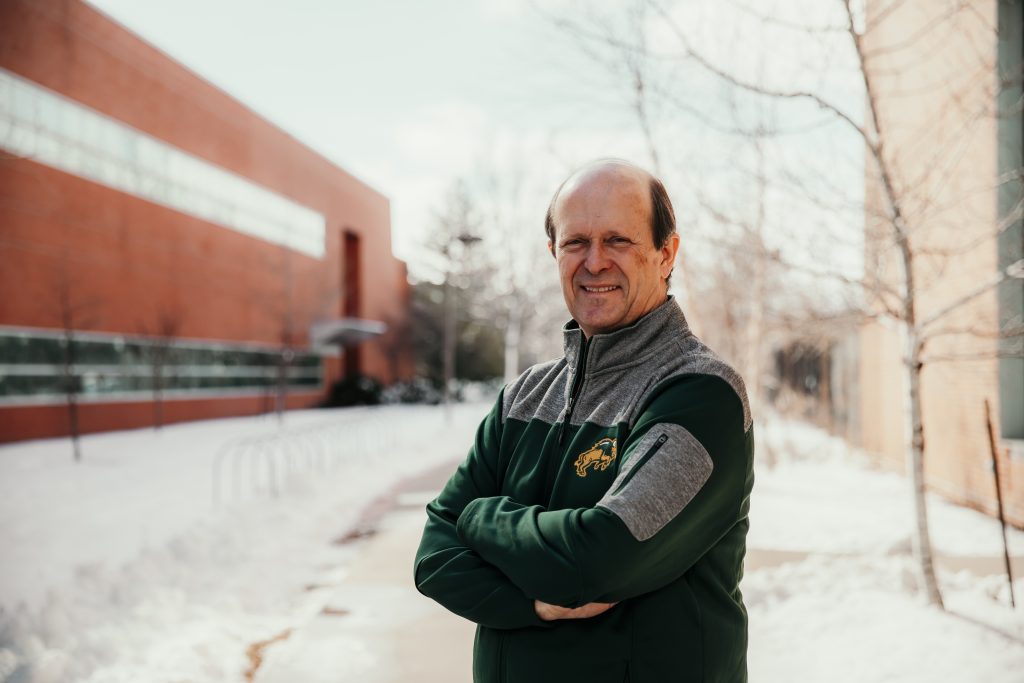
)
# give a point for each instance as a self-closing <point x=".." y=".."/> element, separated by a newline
<point x="683" y="483"/>
<point x="453" y="574"/>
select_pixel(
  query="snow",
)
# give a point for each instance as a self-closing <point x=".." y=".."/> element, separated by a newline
<point x="853" y="620"/>
<point x="848" y="607"/>
<point x="824" y="497"/>
<point x="122" y="567"/>
<point x="165" y="556"/>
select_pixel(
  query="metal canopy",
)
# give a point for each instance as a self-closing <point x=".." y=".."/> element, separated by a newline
<point x="344" y="332"/>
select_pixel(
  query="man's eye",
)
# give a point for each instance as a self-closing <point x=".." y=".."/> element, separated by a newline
<point x="620" y="240"/>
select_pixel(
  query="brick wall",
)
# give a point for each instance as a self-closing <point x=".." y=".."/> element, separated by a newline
<point x="128" y="260"/>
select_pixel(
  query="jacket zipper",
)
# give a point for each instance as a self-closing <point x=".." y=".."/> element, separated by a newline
<point x="577" y="384"/>
<point x="640" y="463"/>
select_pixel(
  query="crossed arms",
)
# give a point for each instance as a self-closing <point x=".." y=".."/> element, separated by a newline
<point x="505" y="564"/>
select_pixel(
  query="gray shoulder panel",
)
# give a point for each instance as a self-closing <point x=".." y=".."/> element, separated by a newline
<point x="537" y="393"/>
<point x="687" y="356"/>
<point x="662" y="473"/>
<point x="701" y="360"/>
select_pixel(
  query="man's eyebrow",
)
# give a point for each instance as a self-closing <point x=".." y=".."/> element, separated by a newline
<point x="614" y="233"/>
<point x="573" y="236"/>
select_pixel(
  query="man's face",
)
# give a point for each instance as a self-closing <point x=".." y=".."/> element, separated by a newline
<point x="611" y="272"/>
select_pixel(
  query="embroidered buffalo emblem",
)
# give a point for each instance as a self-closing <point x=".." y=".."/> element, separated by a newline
<point x="599" y="456"/>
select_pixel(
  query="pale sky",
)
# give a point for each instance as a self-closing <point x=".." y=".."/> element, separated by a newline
<point x="404" y="94"/>
<point x="407" y="95"/>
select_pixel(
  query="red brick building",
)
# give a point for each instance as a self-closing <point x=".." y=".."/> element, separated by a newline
<point x="156" y="233"/>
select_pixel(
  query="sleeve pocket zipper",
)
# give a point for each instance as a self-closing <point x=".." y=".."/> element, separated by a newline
<point x="640" y="463"/>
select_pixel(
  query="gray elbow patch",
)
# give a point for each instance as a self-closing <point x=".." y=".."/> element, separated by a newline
<point x="662" y="474"/>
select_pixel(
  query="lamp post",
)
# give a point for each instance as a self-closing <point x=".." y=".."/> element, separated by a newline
<point x="467" y="241"/>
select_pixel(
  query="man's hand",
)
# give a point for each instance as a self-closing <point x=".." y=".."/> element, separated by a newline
<point x="549" y="612"/>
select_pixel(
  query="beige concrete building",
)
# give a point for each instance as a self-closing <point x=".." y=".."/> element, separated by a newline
<point x="946" y="79"/>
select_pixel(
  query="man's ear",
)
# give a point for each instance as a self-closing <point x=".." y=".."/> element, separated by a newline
<point x="668" y="255"/>
<point x="551" y="247"/>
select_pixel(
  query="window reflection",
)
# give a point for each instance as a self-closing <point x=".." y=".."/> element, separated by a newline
<point x="39" y="124"/>
<point x="35" y="365"/>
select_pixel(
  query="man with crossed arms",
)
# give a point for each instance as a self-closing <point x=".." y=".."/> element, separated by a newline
<point x="596" y="531"/>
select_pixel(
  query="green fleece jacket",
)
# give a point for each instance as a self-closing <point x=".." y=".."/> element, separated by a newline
<point x="621" y="472"/>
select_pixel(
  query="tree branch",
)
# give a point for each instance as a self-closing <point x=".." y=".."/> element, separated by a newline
<point x="731" y="79"/>
<point x="1014" y="270"/>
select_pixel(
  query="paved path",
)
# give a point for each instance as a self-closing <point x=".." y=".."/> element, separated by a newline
<point x="369" y="624"/>
<point x="372" y="626"/>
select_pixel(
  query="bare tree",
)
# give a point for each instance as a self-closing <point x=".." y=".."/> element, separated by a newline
<point x="522" y="285"/>
<point x="286" y="333"/>
<point x="159" y="350"/>
<point x="908" y="254"/>
<point x="479" y="299"/>
<point x="458" y="228"/>
<point x="74" y="314"/>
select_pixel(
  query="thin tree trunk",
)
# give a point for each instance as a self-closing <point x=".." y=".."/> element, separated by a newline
<point x="755" y="321"/>
<point x="448" y="345"/>
<point x="158" y="413"/>
<point x="915" y="469"/>
<point x="71" y="381"/>
<point x="281" y="397"/>
<point x="512" y="334"/>
<point x="912" y="360"/>
<point x="73" y="425"/>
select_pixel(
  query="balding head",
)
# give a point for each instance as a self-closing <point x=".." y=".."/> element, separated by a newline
<point x="623" y="174"/>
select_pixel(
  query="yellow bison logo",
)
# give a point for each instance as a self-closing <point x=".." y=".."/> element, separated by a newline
<point x="600" y="455"/>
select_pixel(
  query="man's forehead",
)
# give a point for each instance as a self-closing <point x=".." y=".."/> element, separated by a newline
<point x="597" y="185"/>
<point x="619" y="175"/>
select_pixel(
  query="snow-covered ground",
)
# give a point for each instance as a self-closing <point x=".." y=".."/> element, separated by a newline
<point x="846" y="608"/>
<point x="823" y="497"/>
<point x="164" y="556"/>
<point x="127" y="566"/>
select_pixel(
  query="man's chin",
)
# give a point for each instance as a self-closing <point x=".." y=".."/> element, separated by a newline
<point x="599" y="324"/>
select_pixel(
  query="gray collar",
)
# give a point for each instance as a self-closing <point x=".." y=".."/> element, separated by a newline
<point x="665" y="325"/>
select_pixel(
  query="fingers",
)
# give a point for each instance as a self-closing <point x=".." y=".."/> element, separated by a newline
<point x="548" y="612"/>
<point x="591" y="609"/>
<point x="545" y="611"/>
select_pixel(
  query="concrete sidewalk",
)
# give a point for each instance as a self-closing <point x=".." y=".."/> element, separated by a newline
<point x="372" y="625"/>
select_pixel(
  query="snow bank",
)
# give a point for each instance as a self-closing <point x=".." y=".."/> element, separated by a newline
<point x="846" y="608"/>
<point x="857" y="619"/>
<point x="823" y="496"/>
<point x="122" y="567"/>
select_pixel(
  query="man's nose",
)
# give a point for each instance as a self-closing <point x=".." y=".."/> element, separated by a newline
<point x="597" y="258"/>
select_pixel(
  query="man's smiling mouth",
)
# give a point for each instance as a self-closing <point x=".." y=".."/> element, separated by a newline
<point x="599" y="290"/>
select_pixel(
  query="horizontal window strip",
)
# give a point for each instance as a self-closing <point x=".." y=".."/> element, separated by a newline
<point x="46" y="127"/>
<point x="15" y="331"/>
<point x="38" y="367"/>
<point x="146" y="370"/>
<point x="45" y="347"/>
<point x="143" y="396"/>
<point x="143" y="382"/>
<point x="85" y="385"/>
